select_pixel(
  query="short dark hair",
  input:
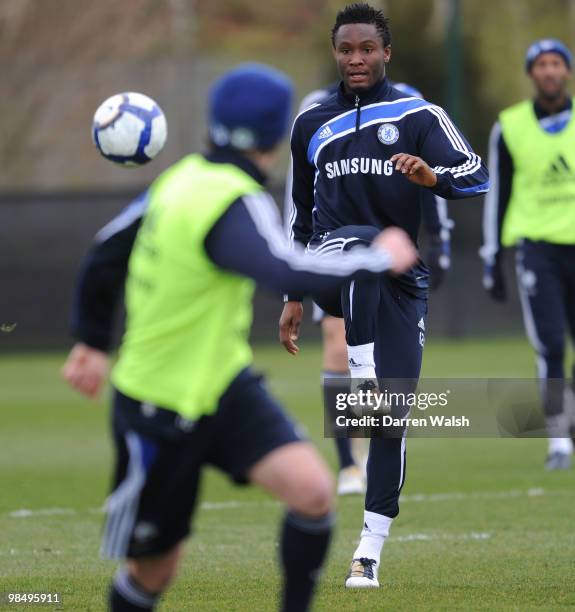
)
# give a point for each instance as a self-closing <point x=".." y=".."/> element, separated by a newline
<point x="363" y="13"/>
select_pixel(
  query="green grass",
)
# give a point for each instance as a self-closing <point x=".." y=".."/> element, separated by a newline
<point x="482" y="526"/>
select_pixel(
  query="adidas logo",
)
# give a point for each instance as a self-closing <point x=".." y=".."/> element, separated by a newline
<point x="559" y="170"/>
<point x="353" y="363"/>
<point x="421" y="324"/>
<point x="366" y="527"/>
<point x="325" y="133"/>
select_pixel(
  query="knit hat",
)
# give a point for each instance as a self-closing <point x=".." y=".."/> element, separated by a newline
<point x="546" y="45"/>
<point x="249" y="107"/>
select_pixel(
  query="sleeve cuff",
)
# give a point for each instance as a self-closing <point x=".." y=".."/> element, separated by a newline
<point x="93" y="339"/>
<point x="443" y="186"/>
<point x="490" y="254"/>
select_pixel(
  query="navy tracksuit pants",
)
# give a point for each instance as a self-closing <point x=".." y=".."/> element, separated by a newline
<point x="546" y="280"/>
<point x="378" y="310"/>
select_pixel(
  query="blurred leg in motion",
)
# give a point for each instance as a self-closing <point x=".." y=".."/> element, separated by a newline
<point x="297" y="476"/>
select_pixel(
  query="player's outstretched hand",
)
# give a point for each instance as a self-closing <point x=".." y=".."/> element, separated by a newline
<point x="290" y="323"/>
<point x="414" y="169"/>
<point x="86" y="369"/>
<point x="398" y="244"/>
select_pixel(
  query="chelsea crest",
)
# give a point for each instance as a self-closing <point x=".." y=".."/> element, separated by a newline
<point x="388" y="134"/>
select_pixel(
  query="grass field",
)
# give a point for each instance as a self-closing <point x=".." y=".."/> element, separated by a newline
<point x="482" y="526"/>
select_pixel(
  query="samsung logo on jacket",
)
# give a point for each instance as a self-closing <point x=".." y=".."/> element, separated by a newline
<point x="358" y="165"/>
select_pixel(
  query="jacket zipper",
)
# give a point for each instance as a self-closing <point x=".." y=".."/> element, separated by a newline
<point x="358" y="113"/>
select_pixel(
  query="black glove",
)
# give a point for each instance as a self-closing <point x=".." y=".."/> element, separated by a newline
<point x="438" y="259"/>
<point x="493" y="280"/>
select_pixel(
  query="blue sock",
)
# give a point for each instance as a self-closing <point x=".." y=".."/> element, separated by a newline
<point x="304" y="544"/>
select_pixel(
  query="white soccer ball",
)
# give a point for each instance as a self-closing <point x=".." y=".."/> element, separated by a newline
<point x="129" y="129"/>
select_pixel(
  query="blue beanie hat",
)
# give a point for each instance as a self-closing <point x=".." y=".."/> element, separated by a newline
<point x="249" y="107"/>
<point x="408" y="90"/>
<point x="546" y="45"/>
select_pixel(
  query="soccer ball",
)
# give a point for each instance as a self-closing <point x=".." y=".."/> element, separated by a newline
<point x="129" y="129"/>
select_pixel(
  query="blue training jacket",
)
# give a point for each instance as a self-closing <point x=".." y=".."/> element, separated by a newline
<point x="342" y="175"/>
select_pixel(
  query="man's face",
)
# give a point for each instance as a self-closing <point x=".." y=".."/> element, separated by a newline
<point x="549" y="74"/>
<point x="360" y="56"/>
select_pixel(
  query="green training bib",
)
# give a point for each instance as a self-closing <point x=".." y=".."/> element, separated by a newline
<point x="542" y="204"/>
<point x="187" y="321"/>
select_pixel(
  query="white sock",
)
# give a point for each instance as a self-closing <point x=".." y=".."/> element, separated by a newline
<point x="361" y="361"/>
<point x="375" y="530"/>
<point x="558" y="433"/>
<point x="560" y="445"/>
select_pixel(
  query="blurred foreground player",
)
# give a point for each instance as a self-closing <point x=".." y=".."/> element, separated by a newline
<point x="184" y="392"/>
<point x="352" y="452"/>
<point x="532" y="207"/>
<point x="360" y="160"/>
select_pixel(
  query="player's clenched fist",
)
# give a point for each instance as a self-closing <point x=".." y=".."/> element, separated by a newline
<point x="414" y="169"/>
<point x="399" y="246"/>
<point x="86" y="369"/>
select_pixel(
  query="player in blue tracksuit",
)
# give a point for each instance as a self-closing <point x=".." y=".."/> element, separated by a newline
<point x="352" y="452"/>
<point x="360" y="159"/>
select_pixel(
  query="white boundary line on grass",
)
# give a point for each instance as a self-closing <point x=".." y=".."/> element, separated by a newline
<point x="432" y="537"/>
<point x="439" y="497"/>
<point x="25" y="513"/>
<point x="233" y="505"/>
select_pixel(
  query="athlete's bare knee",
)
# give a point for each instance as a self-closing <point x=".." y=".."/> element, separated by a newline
<point x="312" y="493"/>
<point x="296" y="475"/>
<point x="314" y="497"/>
